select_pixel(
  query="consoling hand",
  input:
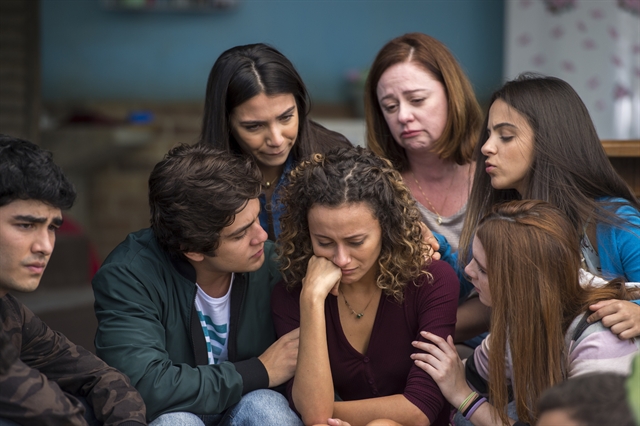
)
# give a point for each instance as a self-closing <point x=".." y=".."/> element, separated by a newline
<point x="322" y="278"/>
<point x="281" y="357"/>
<point x="441" y="361"/>
<point x="379" y="422"/>
<point x="336" y="422"/>
<point x="428" y="238"/>
<point x="621" y="316"/>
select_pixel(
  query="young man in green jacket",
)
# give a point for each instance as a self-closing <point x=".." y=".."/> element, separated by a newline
<point x="184" y="306"/>
<point x="44" y="378"/>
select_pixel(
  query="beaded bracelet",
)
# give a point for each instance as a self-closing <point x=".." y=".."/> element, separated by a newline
<point x="475" y="406"/>
<point x="472" y="395"/>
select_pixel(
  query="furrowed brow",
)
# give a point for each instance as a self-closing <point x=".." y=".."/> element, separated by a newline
<point x="251" y="122"/>
<point x="287" y="112"/>
<point x="30" y="219"/>
<point x="500" y="125"/>
<point x="241" y="230"/>
<point x="479" y="264"/>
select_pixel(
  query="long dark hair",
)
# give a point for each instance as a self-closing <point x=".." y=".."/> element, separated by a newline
<point x="243" y="72"/>
<point x="570" y="168"/>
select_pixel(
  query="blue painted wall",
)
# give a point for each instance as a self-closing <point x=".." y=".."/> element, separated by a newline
<point x="89" y="52"/>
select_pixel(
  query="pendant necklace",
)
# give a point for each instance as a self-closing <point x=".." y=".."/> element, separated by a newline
<point x="268" y="184"/>
<point x="439" y="220"/>
<point x="358" y="315"/>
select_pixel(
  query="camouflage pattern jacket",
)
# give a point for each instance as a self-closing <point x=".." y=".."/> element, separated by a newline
<point x="42" y="373"/>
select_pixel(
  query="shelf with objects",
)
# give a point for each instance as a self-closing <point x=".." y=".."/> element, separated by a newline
<point x="625" y="158"/>
<point x="168" y="5"/>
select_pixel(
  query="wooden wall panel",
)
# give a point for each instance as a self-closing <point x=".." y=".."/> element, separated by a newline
<point x="20" y="68"/>
<point x="625" y="158"/>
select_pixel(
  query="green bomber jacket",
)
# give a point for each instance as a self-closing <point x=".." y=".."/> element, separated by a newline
<point x="148" y="328"/>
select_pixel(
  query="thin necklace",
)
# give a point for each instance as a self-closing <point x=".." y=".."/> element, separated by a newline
<point x="425" y="197"/>
<point x="358" y="315"/>
<point x="268" y="184"/>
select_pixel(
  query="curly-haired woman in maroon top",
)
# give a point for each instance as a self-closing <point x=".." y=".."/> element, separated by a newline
<point x="361" y="289"/>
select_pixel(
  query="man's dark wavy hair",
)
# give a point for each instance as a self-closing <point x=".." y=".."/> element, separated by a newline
<point x="195" y="192"/>
<point x="594" y="399"/>
<point x="27" y="172"/>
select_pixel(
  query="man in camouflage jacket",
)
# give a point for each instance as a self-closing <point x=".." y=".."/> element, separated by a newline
<point x="42" y="374"/>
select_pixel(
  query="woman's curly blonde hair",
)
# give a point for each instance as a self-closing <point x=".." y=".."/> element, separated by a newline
<point x="353" y="175"/>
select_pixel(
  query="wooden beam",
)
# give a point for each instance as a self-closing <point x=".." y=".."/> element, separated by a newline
<point x="622" y="148"/>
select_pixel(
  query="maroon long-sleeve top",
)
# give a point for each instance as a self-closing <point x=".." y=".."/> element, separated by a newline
<point x="386" y="368"/>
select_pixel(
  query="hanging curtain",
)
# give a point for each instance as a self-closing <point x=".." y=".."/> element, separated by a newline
<point x="594" y="45"/>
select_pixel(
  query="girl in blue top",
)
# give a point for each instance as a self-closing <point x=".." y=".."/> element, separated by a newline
<point x="538" y="142"/>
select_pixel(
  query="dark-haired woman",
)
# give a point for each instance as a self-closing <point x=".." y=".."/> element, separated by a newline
<point x="256" y="104"/>
<point x="360" y="288"/>
<point x="538" y="142"/>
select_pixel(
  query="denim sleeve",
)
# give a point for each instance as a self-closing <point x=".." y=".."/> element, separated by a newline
<point x="447" y="255"/>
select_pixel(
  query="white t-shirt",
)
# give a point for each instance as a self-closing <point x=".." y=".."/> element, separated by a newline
<point x="587" y="278"/>
<point x="214" y="319"/>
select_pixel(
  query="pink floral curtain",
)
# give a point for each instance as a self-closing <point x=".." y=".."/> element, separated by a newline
<point x="592" y="44"/>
